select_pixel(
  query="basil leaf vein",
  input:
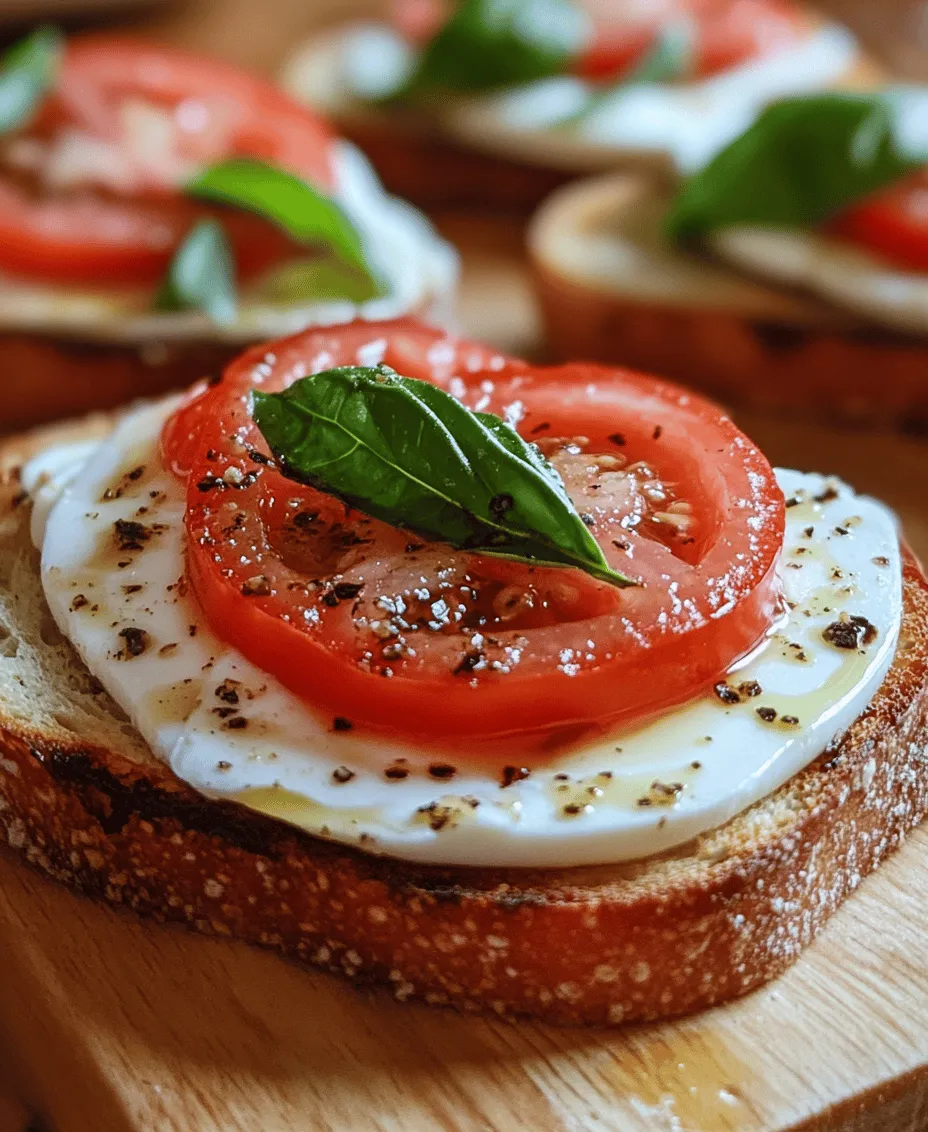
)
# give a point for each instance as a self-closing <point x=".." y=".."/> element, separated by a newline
<point x="488" y="44"/>
<point x="801" y="162"/>
<point x="410" y="454"/>
<point x="308" y="216"/>
<point x="28" y="71"/>
<point x="201" y="275"/>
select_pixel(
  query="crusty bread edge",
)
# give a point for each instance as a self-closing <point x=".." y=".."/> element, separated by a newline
<point x="598" y="945"/>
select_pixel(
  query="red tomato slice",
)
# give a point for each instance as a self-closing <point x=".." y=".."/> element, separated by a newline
<point x="892" y="223"/>
<point x="92" y="190"/>
<point x="379" y="626"/>
<point x="419" y="20"/>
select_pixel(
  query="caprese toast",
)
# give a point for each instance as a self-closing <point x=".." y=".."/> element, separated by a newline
<point x="159" y="211"/>
<point x="791" y="273"/>
<point x="529" y="690"/>
<point x="496" y="103"/>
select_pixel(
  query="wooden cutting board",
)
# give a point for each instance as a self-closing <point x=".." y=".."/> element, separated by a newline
<point x="108" y="1024"/>
<point x="121" y="1026"/>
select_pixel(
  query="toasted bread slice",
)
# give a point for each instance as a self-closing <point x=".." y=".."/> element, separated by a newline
<point x="613" y="289"/>
<point x="84" y="799"/>
<point x="463" y="152"/>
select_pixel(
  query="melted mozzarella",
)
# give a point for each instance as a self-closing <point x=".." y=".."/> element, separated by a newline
<point x="848" y="276"/>
<point x="638" y="793"/>
<point x="419" y="267"/>
<point x="562" y="121"/>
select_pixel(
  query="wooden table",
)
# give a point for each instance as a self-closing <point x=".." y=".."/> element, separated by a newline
<point x="111" y="1025"/>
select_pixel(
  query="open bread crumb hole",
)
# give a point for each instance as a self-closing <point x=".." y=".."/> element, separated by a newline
<point x="49" y="631"/>
<point x="66" y="722"/>
<point x="9" y="645"/>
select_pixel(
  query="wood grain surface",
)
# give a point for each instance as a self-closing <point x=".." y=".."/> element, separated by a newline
<point x="121" y="1025"/>
<point x="108" y="1024"/>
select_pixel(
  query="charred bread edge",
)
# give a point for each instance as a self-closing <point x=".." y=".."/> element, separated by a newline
<point x="48" y="377"/>
<point x="861" y="376"/>
<point x="612" y="943"/>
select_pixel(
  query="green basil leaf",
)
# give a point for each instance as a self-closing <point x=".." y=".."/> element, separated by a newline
<point x="801" y="161"/>
<point x="488" y="44"/>
<point x="27" y="72"/>
<point x="408" y="453"/>
<point x="201" y="275"/>
<point x="306" y="215"/>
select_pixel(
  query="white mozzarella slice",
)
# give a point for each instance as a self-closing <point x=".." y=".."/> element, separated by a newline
<point x="130" y="616"/>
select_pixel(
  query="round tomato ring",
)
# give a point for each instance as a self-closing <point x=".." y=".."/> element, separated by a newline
<point x="198" y="110"/>
<point x="376" y="625"/>
<point x="893" y="223"/>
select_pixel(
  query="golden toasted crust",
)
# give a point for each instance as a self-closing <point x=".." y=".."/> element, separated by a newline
<point x="641" y="940"/>
<point x="47" y="378"/>
<point x="861" y="377"/>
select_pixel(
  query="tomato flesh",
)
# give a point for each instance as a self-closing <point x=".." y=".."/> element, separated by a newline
<point x="91" y="192"/>
<point x="892" y="223"/>
<point x="387" y="629"/>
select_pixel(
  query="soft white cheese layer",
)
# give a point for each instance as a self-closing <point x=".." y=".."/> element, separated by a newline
<point x="419" y="267"/>
<point x="637" y="793"/>
<point x="848" y="276"/>
<point x="554" y="122"/>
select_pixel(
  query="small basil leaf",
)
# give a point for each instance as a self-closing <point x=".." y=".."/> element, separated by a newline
<point x="488" y="44"/>
<point x="27" y="72"/>
<point x="201" y="275"/>
<point x="408" y="453"/>
<point x="801" y="161"/>
<point x="306" y="215"/>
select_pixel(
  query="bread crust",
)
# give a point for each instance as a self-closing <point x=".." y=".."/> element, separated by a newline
<point x="864" y="376"/>
<point x="594" y="945"/>
<point x="48" y="377"/>
<point x="435" y="172"/>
